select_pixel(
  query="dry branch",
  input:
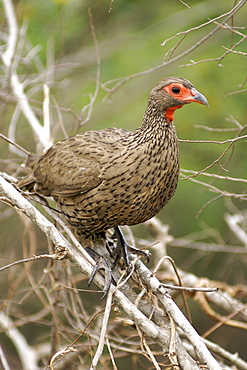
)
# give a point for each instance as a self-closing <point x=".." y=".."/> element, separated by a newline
<point x="158" y="334"/>
<point x="142" y="302"/>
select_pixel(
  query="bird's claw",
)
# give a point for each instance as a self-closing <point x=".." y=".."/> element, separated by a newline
<point x="141" y="253"/>
<point x="124" y="249"/>
<point x="117" y="247"/>
<point x="101" y="263"/>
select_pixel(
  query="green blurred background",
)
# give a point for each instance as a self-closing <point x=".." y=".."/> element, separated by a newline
<point x="130" y="36"/>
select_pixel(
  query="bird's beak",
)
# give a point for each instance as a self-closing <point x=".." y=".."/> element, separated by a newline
<point x="197" y="97"/>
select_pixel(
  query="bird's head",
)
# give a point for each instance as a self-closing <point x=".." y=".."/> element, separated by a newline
<point x="172" y="93"/>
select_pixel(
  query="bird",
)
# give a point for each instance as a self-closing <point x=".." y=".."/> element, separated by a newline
<point x="103" y="179"/>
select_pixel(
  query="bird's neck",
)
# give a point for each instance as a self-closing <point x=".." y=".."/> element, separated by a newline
<point x="155" y="128"/>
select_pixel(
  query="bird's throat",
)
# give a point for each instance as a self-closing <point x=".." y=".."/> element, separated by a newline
<point x="169" y="113"/>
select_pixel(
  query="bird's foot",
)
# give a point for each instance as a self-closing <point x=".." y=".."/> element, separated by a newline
<point x="101" y="263"/>
<point x="141" y="253"/>
<point x="123" y="249"/>
<point x="117" y="247"/>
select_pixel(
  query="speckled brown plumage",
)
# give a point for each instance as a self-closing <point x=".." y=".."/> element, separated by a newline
<point x="101" y="179"/>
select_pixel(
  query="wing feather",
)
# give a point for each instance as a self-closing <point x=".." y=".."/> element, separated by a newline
<point x="75" y="165"/>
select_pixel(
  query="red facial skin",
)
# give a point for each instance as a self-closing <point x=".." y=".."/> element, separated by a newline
<point x="185" y="95"/>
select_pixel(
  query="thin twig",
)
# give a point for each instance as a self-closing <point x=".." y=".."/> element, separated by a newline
<point x="14" y="144"/>
<point x="3" y="360"/>
<point x="188" y="289"/>
<point x="30" y="259"/>
<point x="212" y="188"/>
<point x="120" y="81"/>
<point x="177" y="316"/>
<point x="59" y="355"/>
<point x="46" y="112"/>
<point x="204" y="24"/>
<point x="214" y="175"/>
<point x="28" y="356"/>
<point x="89" y="107"/>
<point x="17" y="86"/>
<point x="103" y="331"/>
<point x="216" y="59"/>
<point x="233" y="222"/>
<point x="213" y="141"/>
<point x="110" y="352"/>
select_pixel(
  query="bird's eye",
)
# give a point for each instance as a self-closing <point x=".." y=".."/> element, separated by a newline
<point x="176" y="90"/>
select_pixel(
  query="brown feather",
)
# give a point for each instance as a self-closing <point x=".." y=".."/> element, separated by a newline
<point x="101" y="179"/>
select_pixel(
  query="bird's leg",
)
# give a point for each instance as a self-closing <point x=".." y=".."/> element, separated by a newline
<point x="100" y="263"/>
<point x="123" y="247"/>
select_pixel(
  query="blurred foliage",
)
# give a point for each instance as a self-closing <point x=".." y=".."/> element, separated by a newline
<point x="130" y="34"/>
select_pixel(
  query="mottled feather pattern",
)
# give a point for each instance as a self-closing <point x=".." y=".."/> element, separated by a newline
<point x="105" y="178"/>
<point x="109" y="184"/>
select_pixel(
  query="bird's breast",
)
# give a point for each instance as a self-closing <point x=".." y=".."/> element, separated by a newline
<point x="139" y="183"/>
<point x="135" y="184"/>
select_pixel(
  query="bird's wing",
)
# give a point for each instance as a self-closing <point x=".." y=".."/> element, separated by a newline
<point x="74" y="166"/>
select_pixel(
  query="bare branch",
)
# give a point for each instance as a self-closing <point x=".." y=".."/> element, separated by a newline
<point x="217" y="59"/>
<point x="138" y="317"/>
<point x="9" y="53"/>
<point x="213" y="175"/>
<point x="3" y="359"/>
<point x="89" y="107"/>
<point x="27" y="355"/>
<point x="233" y="222"/>
<point x="182" y="322"/>
<point x="17" y="86"/>
<point x="120" y="81"/>
<point x="35" y="258"/>
<point x="212" y="188"/>
<point x="103" y="331"/>
<point x="145" y="320"/>
<point x="59" y="355"/>
<point x="214" y="141"/>
<point x="232" y="11"/>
